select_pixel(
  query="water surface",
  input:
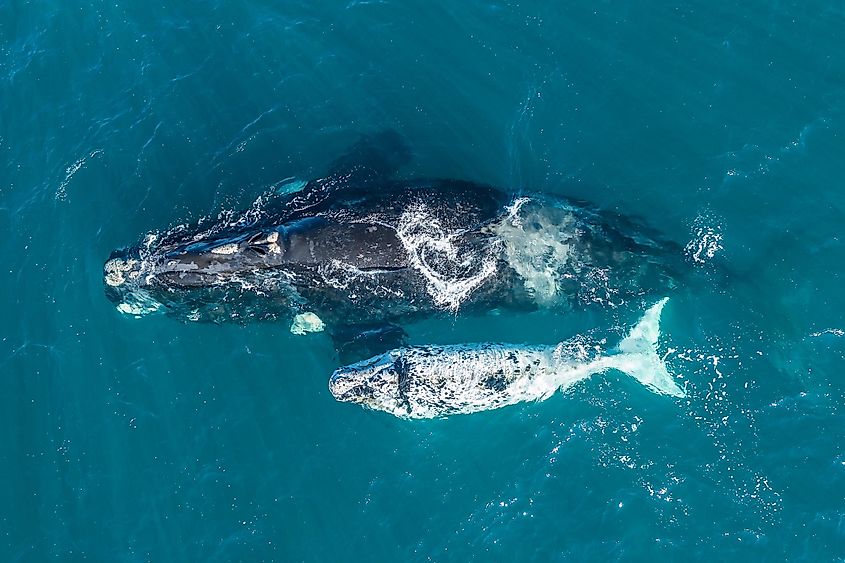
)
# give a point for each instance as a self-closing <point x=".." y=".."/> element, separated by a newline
<point x="152" y="440"/>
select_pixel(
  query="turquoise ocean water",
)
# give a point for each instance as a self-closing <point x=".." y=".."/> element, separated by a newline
<point x="719" y="123"/>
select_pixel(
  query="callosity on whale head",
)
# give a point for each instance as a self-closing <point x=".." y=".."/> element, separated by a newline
<point x="178" y="271"/>
<point x="375" y="383"/>
<point x="122" y="274"/>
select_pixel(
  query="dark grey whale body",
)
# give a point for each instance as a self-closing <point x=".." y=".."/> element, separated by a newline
<point x="359" y="250"/>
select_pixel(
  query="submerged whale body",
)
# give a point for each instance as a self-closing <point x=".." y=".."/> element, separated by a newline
<point x="439" y="381"/>
<point x="358" y="250"/>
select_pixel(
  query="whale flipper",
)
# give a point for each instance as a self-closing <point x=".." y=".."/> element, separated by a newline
<point x="374" y="157"/>
<point x="356" y="342"/>
<point x="371" y="160"/>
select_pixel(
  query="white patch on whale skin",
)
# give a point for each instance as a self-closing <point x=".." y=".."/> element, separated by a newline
<point x="430" y="245"/>
<point x="117" y="270"/>
<point x="225" y="249"/>
<point x="469" y="378"/>
<point x="461" y="373"/>
<point x="307" y="322"/>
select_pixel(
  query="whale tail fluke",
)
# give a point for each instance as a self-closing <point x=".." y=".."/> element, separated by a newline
<point x="638" y="354"/>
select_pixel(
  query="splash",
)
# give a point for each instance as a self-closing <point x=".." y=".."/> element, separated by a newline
<point x="452" y="272"/>
<point x="537" y="246"/>
<point x="833" y="331"/>
<point x="706" y="241"/>
<point x="139" y="303"/>
<point x="61" y="192"/>
<point x="717" y="407"/>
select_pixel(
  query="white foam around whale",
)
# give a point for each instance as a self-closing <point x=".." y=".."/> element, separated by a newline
<point x="538" y="246"/>
<point x="451" y="272"/>
<point x="706" y="241"/>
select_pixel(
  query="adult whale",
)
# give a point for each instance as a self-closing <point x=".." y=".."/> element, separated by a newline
<point x="358" y="251"/>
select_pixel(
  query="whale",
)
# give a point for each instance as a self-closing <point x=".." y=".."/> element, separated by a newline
<point x="421" y="382"/>
<point x="360" y="253"/>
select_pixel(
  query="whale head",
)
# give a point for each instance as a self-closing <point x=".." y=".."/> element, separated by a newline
<point x="375" y="383"/>
<point x="201" y="278"/>
<point x="126" y="285"/>
<point x="246" y="272"/>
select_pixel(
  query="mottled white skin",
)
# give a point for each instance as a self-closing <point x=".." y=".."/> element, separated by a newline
<point x="438" y="381"/>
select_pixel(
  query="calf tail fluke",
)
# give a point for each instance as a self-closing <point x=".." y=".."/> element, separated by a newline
<point x="639" y="358"/>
